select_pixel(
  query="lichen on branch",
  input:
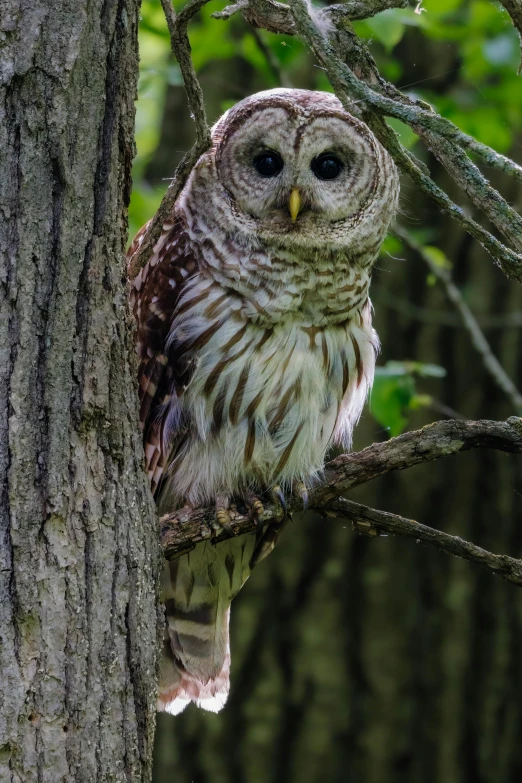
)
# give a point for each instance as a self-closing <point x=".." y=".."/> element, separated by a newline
<point x="186" y="527"/>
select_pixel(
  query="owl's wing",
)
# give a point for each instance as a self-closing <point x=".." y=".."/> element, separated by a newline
<point x="154" y="295"/>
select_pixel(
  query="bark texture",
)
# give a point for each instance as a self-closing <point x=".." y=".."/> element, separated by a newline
<point x="78" y="548"/>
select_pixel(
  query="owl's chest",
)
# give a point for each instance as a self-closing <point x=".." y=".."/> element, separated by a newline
<point x="263" y="402"/>
<point x="314" y="289"/>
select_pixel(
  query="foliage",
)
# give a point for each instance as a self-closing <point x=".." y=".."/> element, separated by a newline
<point x="395" y="392"/>
<point x="474" y="83"/>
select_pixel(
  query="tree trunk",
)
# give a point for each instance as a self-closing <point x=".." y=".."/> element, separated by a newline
<point x="78" y="547"/>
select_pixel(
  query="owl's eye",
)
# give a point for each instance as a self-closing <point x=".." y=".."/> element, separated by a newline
<point x="268" y="164"/>
<point x="326" y="166"/>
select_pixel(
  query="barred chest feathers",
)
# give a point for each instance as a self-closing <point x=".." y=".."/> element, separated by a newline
<point x="281" y="371"/>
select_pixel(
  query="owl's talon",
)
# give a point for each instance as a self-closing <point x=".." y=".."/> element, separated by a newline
<point x="254" y="506"/>
<point x="257" y="510"/>
<point x="223" y="516"/>
<point x="301" y="489"/>
<point x="278" y="496"/>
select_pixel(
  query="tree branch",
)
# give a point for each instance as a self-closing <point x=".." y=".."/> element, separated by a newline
<point x="277" y="17"/>
<point x="362" y="9"/>
<point x="183" y="529"/>
<point x="180" y="45"/>
<point x="370" y="521"/>
<point x="440" y="439"/>
<point x="507" y="260"/>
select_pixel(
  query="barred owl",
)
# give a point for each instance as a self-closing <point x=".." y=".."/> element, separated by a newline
<point x="255" y="342"/>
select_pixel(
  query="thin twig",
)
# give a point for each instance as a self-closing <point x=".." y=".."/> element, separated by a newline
<point x="427" y="315"/>
<point x="179" y="41"/>
<point x="367" y="520"/>
<point x="475" y="185"/>
<point x="478" y="339"/>
<point x="178" y="25"/>
<point x="509" y="261"/>
<point x="514" y="9"/>
<point x="273" y="62"/>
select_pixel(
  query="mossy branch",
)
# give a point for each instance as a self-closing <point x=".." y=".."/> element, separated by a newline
<point x="183" y="529"/>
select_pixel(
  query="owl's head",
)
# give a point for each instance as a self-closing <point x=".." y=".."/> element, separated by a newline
<point x="294" y="168"/>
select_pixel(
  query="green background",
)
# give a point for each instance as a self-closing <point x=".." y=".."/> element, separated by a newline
<point x="375" y="660"/>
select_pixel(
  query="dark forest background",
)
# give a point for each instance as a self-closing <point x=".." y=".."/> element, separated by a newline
<point x="358" y="659"/>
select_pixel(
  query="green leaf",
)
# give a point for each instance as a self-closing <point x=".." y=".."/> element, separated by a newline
<point x="394" y="392"/>
<point x="420" y="401"/>
<point x="440" y="7"/>
<point x="392" y="247"/>
<point x="390" y="397"/>
<point x="437" y="257"/>
<point x="387" y="28"/>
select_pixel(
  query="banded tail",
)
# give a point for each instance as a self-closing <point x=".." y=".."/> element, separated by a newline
<point x="197" y="590"/>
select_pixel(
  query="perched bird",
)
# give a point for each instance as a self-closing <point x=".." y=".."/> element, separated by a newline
<point x="255" y="342"/>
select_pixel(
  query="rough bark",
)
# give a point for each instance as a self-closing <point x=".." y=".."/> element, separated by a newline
<point x="78" y="550"/>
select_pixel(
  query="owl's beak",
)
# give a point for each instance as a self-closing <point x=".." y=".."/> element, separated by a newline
<point x="294" y="204"/>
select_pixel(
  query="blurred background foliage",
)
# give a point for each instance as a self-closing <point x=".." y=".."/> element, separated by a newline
<point x="375" y="660"/>
<point x="474" y="84"/>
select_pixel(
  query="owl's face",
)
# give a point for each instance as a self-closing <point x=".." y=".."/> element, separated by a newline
<point x="295" y="168"/>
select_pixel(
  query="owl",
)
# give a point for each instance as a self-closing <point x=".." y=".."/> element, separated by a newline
<point x="255" y="343"/>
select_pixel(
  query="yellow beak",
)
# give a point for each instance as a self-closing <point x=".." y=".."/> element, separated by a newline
<point x="294" y="204"/>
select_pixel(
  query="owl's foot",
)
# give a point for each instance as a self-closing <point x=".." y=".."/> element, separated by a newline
<point x="300" y="488"/>
<point x="279" y="497"/>
<point x="268" y="536"/>
<point x="223" y="516"/>
<point x="254" y="506"/>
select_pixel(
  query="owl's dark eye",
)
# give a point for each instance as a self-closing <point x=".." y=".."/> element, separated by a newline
<point x="326" y="166"/>
<point x="268" y="164"/>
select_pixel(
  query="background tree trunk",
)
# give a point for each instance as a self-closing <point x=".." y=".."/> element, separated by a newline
<point x="78" y="551"/>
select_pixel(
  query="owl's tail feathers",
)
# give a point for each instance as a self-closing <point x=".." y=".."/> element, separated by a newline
<point x="184" y="679"/>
